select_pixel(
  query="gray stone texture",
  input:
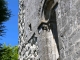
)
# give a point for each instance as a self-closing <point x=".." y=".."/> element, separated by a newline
<point x="35" y="46"/>
<point x="68" y="23"/>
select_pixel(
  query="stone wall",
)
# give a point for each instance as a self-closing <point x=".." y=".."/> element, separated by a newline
<point x="29" y="19"/>
<point x="68" y="23"/>
<point x="36" y="45"/>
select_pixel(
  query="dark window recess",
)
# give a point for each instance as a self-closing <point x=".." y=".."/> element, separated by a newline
<point x="30" y="27"/>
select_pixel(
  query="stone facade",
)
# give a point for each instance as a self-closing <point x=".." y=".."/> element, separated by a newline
<point x="62" y="37"/>
<point x="68" y="23"/>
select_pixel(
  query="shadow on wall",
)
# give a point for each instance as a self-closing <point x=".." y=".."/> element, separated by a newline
<point x="50" y="14"/>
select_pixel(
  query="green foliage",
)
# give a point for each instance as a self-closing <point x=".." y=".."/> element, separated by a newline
<point x="9" y="53"/>
<point x="5" y="14"/>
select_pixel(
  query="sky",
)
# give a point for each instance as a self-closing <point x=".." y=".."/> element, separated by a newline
<point x="11" y="36"/>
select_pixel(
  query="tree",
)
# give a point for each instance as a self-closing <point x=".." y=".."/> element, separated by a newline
<point x="5" y="14"/>
<point x="9" y="53"/>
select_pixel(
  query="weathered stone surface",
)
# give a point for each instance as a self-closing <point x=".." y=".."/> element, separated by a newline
<point x="70" y="30"/>
<point x="39" y="44"/>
